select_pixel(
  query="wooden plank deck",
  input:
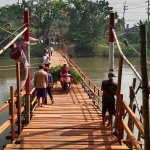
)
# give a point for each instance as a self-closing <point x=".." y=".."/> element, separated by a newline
<point x="72" y="122"/>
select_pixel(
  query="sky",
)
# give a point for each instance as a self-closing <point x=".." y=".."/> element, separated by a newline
<point x="137" y="9"/>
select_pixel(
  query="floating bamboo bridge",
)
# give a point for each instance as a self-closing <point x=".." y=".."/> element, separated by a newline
<point x="73" y="121"/>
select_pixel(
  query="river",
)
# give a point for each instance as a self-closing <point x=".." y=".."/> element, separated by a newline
<point x="95" y="68"/>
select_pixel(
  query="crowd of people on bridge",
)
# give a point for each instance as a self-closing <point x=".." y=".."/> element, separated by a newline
<point x="43" y="80"/>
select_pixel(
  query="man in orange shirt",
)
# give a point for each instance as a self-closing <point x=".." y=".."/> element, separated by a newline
<point x="41" y="83"/>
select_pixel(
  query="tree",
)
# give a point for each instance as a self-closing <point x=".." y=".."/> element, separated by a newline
<point x="87" y="22"/>
<point x="42" y="13"/>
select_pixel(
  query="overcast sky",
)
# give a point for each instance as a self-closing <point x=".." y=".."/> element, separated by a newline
<point x="137" y="9"/>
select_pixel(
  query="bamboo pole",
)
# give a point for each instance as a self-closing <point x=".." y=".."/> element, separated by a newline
<point x="7" y="46"/>
<point x="145" y="92"/>
<point x="126" y="60"/>
<point x="121" y="113"/>
<point x="12" y="114"/>
<point x="118" y="92"/>
<point x="134" y="83"/>
<point x="26" y="38"/>
<point x="18" y="96"/>
<point x="139" y="134"/>
<point x="130" y="122"/>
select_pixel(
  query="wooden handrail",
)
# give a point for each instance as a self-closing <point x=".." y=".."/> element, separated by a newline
<point x="137" y="122"/>
<point x="131" y="136"/>
<point x="4" y="106"/>
<point x="8" y="122"/>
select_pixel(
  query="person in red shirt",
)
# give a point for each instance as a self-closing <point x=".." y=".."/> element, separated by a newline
<point x="64" y="70"/>
<point x="18" y="55"/>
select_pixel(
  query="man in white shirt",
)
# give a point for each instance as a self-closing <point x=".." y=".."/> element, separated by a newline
<point x="51" y="50"/>
<point x="46" y="60"/>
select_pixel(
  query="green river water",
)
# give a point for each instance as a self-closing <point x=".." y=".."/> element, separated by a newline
<point x="95" y="68"/>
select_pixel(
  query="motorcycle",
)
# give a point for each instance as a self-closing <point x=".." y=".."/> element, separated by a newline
<point x="66" y="82"/>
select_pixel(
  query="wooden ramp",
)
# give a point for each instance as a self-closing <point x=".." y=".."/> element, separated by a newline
<point x="72" y="122"/>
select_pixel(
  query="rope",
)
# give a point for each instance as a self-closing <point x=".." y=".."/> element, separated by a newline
<point x="123" y="56"/>
<point x="10" y="34"/>
<point x="133" y="48"/>
<point x="31" y="38"/>
<point x="2" y="50"/>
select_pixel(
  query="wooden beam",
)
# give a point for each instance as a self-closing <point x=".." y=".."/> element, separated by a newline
<point x="4" y="106"/>
<point x="145" y="85"/>
<point x="137" y="122"/>
<point x="47" y="146"/>
<point x="131" y="136"/>
<point x="4" y="126"/>
<point x="9" y="137"/>
<point x="129" y="142"/>
<point x="12" y="114"/>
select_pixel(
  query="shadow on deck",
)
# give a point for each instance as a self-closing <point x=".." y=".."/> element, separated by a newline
<point x="71" y="122"/>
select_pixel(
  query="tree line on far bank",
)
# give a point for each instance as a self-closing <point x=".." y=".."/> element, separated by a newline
<point x="83" y="23"/>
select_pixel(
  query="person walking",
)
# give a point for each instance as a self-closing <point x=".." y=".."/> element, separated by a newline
<point x="109" y="88"/>
<point x="51" y="50"/>
<point x="46" y="60"/>
<point x="63" y="71"/>
<point x="50" y="85"/>
<point x="17" y="53"/>
<point x="41" y="82"/>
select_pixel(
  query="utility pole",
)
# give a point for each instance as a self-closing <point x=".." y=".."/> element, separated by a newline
<point x="148" y="13"/>
<point x="124" y="9"/>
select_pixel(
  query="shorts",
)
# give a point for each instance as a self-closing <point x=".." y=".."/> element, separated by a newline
<point x="41" y="92"/>
<point x="108" y="105"/>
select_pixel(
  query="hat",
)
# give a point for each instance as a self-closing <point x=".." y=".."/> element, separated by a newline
<point x="41" y="66"/>
<point x="46" y="68"/>
<point x="111" y="74"/>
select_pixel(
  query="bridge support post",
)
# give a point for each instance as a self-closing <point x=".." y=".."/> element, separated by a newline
<point x="145" y="86"/>
<point x="26" y="38"/>
<point x="111" y="42"/>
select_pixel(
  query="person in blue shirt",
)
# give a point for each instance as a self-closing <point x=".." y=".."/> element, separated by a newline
<point x="51" y="50"/>
<point x="50" y="86"/>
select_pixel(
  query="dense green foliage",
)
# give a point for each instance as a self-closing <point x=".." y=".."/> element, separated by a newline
<point x="75" y="75"/>
<point x="55" y="72"/>
<point x="83" y="23"/>
<point x="87" y="24"/>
